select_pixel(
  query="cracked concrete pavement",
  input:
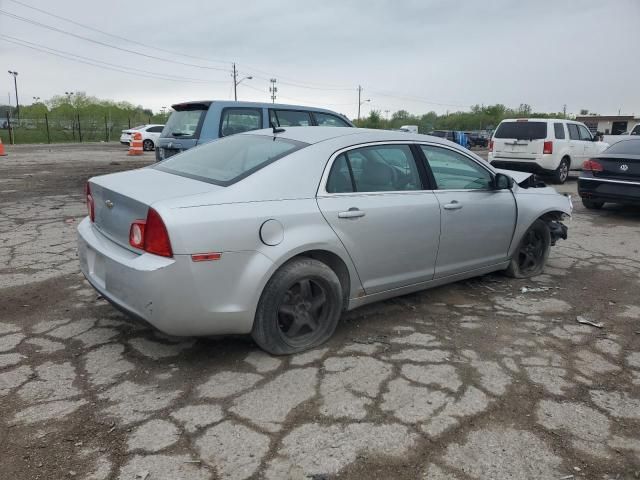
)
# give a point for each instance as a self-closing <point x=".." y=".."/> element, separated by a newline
<point x="468" y="381"/>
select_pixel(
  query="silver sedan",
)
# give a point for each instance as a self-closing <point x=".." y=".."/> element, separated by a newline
<point x="277" y="232"/>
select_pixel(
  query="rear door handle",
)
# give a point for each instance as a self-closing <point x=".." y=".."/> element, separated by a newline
<point x="454" y="205"/>
<point x="351" y="213"/>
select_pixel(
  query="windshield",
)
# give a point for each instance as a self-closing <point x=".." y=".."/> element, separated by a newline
<point x="630" y="147"/>
<point x="229" y="159"/>
<point x="522" y="130"/>
<point x="184" y="123"/>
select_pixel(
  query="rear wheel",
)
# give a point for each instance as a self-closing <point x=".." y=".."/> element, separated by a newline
<point x="561" y="173"/>
<point x="147" y="145"/>
<point x="299" y="308"/>
<point x="532" y="253"/>
<point x="592" y="204"/>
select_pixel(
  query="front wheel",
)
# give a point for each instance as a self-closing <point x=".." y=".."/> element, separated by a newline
<point x="299" y="308"/>
<point x="561" y="173"/>
<point x="532" y="253"/>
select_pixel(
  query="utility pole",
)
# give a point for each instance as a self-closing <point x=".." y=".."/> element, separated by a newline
<point x="237" y="82"/>
<point x="564" y="111"/>
<point x="15" y="84"/>
<point x="360" y="101"/>
<point x="273" y="89"/>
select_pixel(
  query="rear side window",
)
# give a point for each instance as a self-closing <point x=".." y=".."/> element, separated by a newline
<point x="238" y="120"/>
<point x="636" y="130"/>
<point x="186" y="123"/>
<point x="228" y="160"/>
<point x="558" y="130"/>
<point x="328" y="120"/>
<point x="290" y="118"/>
<point x="155" y="129"/>
<point x="629" y="147"/>
<point x="383" y="168"/>
<point x="522" y="130"/>
<point x="574" y="134"/>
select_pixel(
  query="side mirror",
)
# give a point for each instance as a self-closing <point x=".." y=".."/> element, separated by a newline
<point x="502" y="182"/>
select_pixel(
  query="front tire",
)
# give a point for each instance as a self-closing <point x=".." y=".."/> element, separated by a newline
<point x="592" y="204"/>
<point x="147" y="145"/>
<point x="532" y="253"/>
<point x="299" y="308"/>
<point x="561" y="174"/>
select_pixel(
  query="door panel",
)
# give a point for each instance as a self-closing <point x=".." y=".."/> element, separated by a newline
<point x="476" y="229"/>
<point x="392" y="238"/>
<point x="477" y="221"/>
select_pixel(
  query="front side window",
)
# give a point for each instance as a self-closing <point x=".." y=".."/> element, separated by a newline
<point x="381" y="168"/>
<point x="289" y="118"/>
<point x="559" y="130"/>
<point x="228" y="160"/>
<point x="238" y="120"/>
<point x="574" y="133"/>
<point x="584" y="133"/>
<point x="328" y="120"/>
<point x="454" y="171"/>
<point x="156" y="129"/>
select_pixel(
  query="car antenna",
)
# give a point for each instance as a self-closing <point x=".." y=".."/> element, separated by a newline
<point x="276" y="129"/>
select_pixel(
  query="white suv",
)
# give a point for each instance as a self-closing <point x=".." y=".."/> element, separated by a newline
<point x="542" y="145"/>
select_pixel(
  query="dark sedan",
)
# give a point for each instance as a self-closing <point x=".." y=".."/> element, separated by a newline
<point x="612" y="176"/>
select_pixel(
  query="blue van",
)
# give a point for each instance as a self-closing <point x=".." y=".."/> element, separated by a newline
<point x="194" y="123"/>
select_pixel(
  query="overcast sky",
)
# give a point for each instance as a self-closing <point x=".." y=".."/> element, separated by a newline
<point x="417" y="55"/>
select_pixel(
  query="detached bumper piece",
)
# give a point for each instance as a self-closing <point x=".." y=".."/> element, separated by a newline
<point x="558" y="230"/>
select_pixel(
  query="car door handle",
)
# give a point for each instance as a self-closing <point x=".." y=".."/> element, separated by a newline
<point x="351" y="213"/>
<point x="454" y="205"/>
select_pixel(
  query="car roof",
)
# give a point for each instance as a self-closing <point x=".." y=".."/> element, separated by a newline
<point x="233" y="103"/>
<point x="540" y="120"/>
<point x="352" y="136"/>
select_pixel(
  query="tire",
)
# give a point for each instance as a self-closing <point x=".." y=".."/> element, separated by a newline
<point x="532" y="253"/>
<point x="147" y="145"/>
<point x="561" y="173"/>
<point x="592" y="204"/>
<point x="299" y="308"/>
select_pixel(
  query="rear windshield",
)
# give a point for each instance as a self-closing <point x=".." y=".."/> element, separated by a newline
<point x="522" y="130"/>
<point x="185" y="123"/>
<point x="230" y="159"/>
<point x="631" y="147"/>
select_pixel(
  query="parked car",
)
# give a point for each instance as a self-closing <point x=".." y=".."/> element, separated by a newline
<point x="277" y="232"/>
<point x="194" y="123"/>
<point x="611" y="139"/>
<point x="150" y="135"/>
<point x="409" y="128"/>
<point x="477" y="139"/>
<point x="612" y="176"/>
<point x="454" y="136"/>
<point x="545" y="146"/>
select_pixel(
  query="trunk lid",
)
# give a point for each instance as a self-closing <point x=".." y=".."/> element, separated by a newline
<point x="619" y="166"/>
<point x="121" y="198"/>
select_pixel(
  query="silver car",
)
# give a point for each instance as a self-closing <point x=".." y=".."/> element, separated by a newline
<point x="277" y="232"/>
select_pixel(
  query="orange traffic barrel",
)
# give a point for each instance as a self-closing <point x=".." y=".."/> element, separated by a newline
<point x="2" y="152"/>
<point x="135" y="146"/>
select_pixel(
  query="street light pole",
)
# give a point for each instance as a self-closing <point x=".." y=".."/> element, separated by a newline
<point x="237" y="82"/>
<point x="360" y="102"/>
<point x="273" y="89"/>
<point x="15" y="84"/>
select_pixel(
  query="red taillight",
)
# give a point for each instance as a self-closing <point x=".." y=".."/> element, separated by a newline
<point x="90" y="207"/>
<point x="592" y="166"/>
<point x="548" y="147"/>
<point x="151" y="235"/>
<point x="491" y="145"/>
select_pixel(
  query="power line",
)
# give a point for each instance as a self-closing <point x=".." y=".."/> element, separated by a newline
<point x="49" y="27"/>
<point x="116" y="36"/>
<point x="101" y="64"/>
<point x="417" y="99"/>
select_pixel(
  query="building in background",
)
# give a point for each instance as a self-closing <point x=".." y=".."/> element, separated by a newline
<point x="609" y="124"/>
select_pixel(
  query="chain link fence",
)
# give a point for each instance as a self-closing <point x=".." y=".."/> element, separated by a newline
<point x="66" y="129"/>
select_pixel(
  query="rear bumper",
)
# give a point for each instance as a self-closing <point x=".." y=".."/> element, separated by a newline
<point x="531" y="167"/>
<point x="175" y="295"/>
<point x="608" y="190"/>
